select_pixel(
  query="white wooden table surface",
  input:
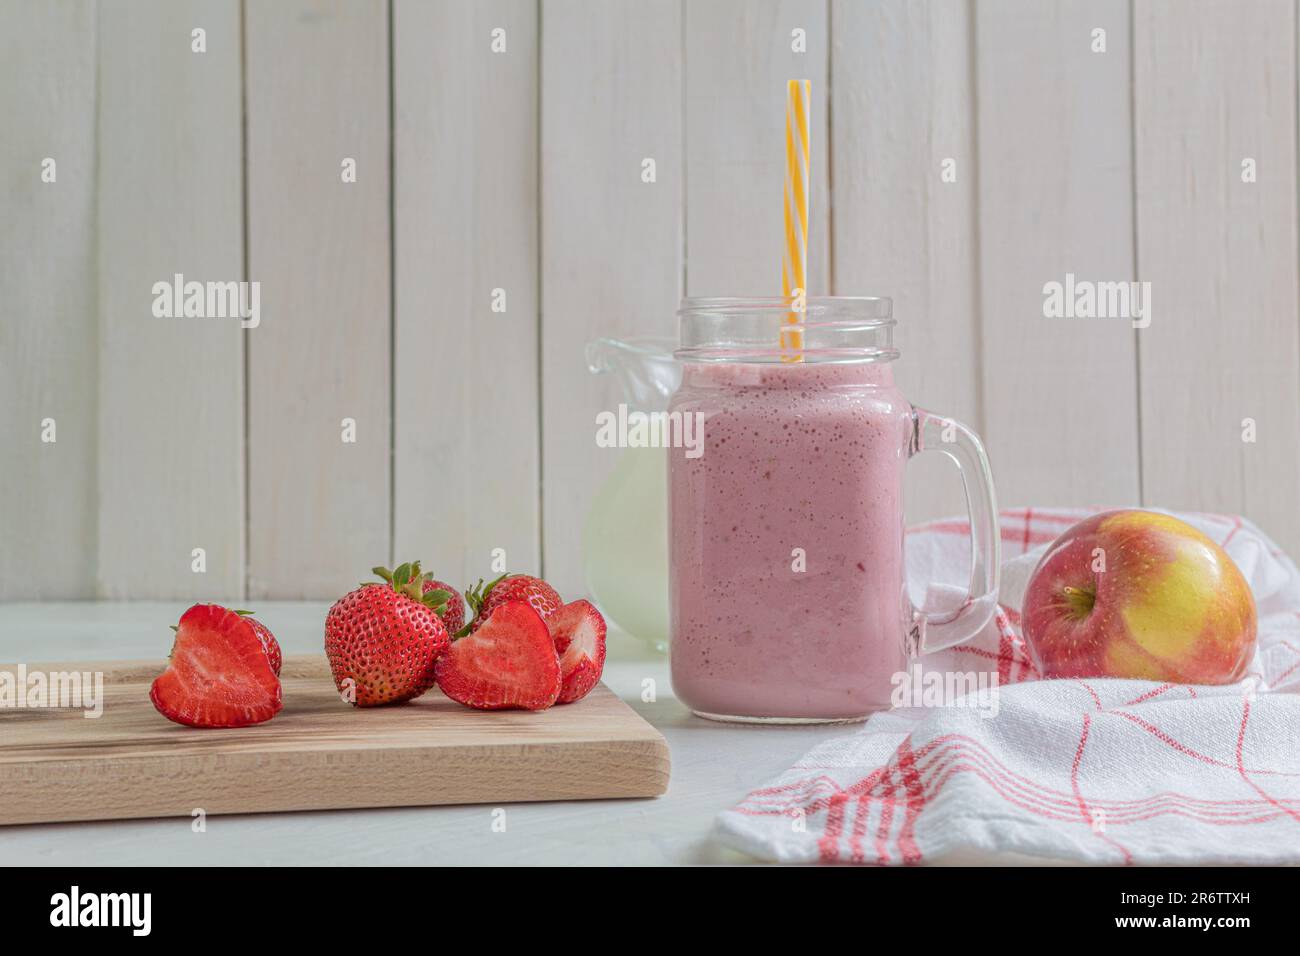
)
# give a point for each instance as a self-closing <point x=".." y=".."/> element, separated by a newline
<point x="713" y="765"/>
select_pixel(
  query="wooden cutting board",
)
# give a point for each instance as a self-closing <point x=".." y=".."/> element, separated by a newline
<point x="317" y="754"/>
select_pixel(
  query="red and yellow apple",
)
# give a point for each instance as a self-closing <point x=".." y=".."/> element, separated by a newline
<point x="1139" y="594"/>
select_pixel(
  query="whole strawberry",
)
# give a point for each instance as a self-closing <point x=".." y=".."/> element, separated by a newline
<point x="382" y="639"/>
<point x="453" y="613"/>
<point x="534" y="592"/>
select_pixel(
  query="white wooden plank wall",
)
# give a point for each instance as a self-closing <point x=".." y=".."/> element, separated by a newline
<point x="465" y="224"/>
<point x="611" y="241"/>
<point x="49" y="366"/>
<point x="1216" y="85"/>
<point x="317" y="93"/>
<point x="521" y="170"/>
<point x="1055" y="168"/>
<point x="171" y="390"/>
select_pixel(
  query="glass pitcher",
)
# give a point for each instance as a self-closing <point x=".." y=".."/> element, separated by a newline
<point x="625" y="538"/>
<point x="788" y="593"/>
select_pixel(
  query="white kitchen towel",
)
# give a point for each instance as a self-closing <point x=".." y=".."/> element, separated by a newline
<point x="1092" y="771"/>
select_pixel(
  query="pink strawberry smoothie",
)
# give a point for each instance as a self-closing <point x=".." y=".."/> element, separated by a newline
<point x="796" y="456"/>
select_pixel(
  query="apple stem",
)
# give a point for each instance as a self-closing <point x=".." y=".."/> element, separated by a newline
<point x="1080" y="600"/>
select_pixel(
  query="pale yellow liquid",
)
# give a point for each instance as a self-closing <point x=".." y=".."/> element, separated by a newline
<point x="625" y="545"/>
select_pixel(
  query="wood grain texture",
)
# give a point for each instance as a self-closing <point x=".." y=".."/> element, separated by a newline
<point x="738" y="59"/>
<point x="170" y="461"/>
<point x="48" y="364"/>
<point x="317" y="754"/>
<point x="466" y="458"/>
<point x="317" y="94"/>
<point x="1216" y="85"/>
<point x="903" y="104"/>
<point x="611" y="243"/>
<point x="1055" y="173"/>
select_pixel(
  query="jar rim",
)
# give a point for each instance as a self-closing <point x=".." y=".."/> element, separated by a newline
<point x="862" y="306"/>
<point x="753" y="329"/>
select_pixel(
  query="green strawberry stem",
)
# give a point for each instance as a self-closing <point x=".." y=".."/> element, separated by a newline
<point x="408" y="581"/>
<point x="478" y="593"/>
<point x="475" y="597"/>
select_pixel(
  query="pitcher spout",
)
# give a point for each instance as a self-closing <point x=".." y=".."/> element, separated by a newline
<point x="644" y="367"/>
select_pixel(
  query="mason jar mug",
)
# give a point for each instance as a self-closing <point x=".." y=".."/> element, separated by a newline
<point x="786" y="574"/>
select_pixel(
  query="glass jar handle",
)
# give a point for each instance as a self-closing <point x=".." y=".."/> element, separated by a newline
<point x="934" y="632"/>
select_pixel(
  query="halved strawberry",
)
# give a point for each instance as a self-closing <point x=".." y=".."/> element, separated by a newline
<point x="508" y="662"/>
<point x="269" y="644"/>
<point x="579" y="634"/>
<point x="539" y="595"/>
<point x="218" y="674"/>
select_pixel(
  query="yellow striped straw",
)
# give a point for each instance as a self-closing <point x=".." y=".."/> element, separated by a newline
<point x="794" y="264"/>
